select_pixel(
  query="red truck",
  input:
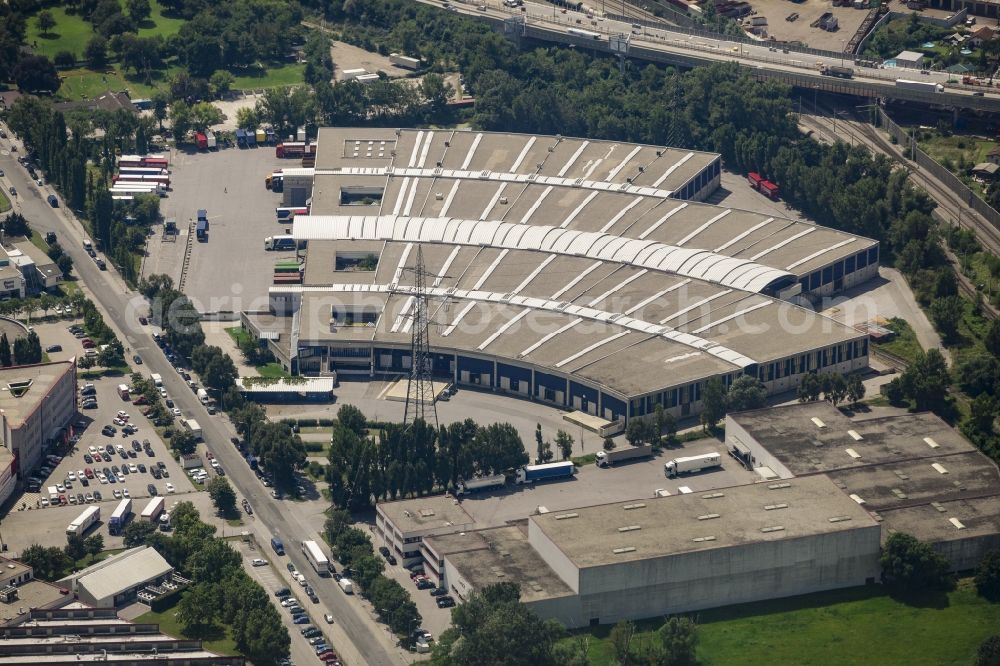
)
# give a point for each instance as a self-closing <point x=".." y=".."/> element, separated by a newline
<point x="764" y="186"/>
<point x="294" y="149"/>
<point x="201" y="140"/>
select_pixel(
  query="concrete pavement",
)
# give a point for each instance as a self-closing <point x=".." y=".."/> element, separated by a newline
<point x="121" y="308"/>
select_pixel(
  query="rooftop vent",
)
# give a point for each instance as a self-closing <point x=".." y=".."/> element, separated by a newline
<point x="639" y="505"/>
<point x="773" y="528"/>
<point x="565" y="516"/>
<point x="779" y="486"/>
<point x="427" y="513"/>
<point x="856" y="498"/>
<point x="503" y="201"/>
<point x="708" y="516"/>
<point x="438" y="196"/>
<point x="854" y="454"/>
<point x="713" y="495"/>
<point x="939" y="468"/>
<point x="855" y="435"/>
<point x="818" y="422"/>
<point x="626" y="549"/>
<point x="839" y="519"/>
<point x="938" y="506"/>
<point x="931" y="443"/>
<point x="630" y="528"/>
<point x="702" y="539"/>
<point x="899" y="493"/>
<point x="773" y="507"/>
<point x="957" y="523"/>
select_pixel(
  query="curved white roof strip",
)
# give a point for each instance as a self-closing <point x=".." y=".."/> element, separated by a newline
<point x="579" y="312"/>
<point x="506" y="177"/>
<point x="702" y="264"/>
<point x="820" y="252"/>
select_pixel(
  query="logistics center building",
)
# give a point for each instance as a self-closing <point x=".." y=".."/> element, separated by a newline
<point x="583" y="274"/>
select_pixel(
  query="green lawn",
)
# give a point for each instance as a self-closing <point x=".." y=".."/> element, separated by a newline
<point x="854" y="626"/>
<point x="905" y="344"/>
<point x="273" y="77"/>
<point x="4" y="203"/>
<point x="216" y="640"/>
<point x="70" y="34"/>
<point x="87" y="84"/>
<point x="158" y="24"/>
<point x="272" y="371"/>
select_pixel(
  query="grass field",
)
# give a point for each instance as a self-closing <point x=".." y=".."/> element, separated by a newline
<point x="72" y="32"/>
<point x="273" y="77"/>
<point x="905" y="344"/>
<point x="216" y="639"/>
<point x="87" y="84"/>
<point x="4" y="203"/>
<point x="853" y="626"/>
<point x="272" y="371"/>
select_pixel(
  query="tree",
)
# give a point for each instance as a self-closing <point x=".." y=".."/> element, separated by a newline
<point x="204" y="115"/>
<point x="5" y="355"/>
<point x="609" y="444"/>
<point x="223" y="496"/>
<point x="96" y="52"/>
<point x="746" y="392"/>
<point x="139" y="10"/>
<point x="991" y="338"/>
<point x="94" y="544"/>
<point x="677" y="639"/>
<point x="564" y="442"/>
<point x="621" y="637"/>
<point x="64" y="59"/>
<point x="926" y="380"/>
<point x="989" y="652"/>
<point x="36" y="74"/>
<point x="263" y="639"/>
<point x="45" y="21"/>
<point x="138" y="533"/>
<point x="713" y="403"/>
<point x="198" y="607"/>
<point x="183" y="442"/>
<point x="810" y="387"/>
<point x="988" y="576"/>
<point x="946" y="313"/>
<point x="498" y="448"/>
<point x="345" y="547"/>
<point x="47" y="563"/>
<point x="247" y="118"/>
<point x="75" y="547"/>
<point x="983" y="412"/>
<point x="353" y="419"/>
<point x="213" y="560"/>
<point x="834" y="387"/>
<point x="16" y="225"/>
<point x="855" y="388"/>
<point x="160" y="103"/>
<point x="221" y="82"/>
<point x="978" y="373"/>
<point x="909" y="565"/>
<point x="366" y="569"/>
<point x="28" y="350"/>
<point x="112" y="356"/>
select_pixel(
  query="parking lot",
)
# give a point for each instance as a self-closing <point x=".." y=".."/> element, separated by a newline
<point x="800" y="30"/>
<point x="32" y="507"/>
<point x="231" y="270"/>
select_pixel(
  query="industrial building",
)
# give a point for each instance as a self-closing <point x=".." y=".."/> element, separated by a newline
<point x="20" y="592"/>
<point x="287" y="390"/>
<point x="75" y="633"/>
<point x="403" y="526"/>
<point x="37" y="402"/>
<point x="117" y="580"/>
<point x="912" y="472"/>
<point x="36" y="272"/>
<point x="582" y="274"/>
<point x="631" y="560"/>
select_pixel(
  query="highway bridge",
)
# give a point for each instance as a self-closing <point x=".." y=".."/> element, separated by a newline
<point x="684" y="48"/>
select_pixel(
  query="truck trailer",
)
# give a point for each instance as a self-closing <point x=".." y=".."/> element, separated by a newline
<point x="925" y="86"/>
<point x="691" y="464"/>
<point x="294" y="149"/>
<point x="482" y="483"/>
<point x="157" y="379"/>
<point x="120" y="516"/>
<point x="556" y="470"/>
<point x="406" y="62"/>
<point x="840" y="72"/>
<point x="83" y="522"/>
<point x="609" y="458"/>
<point x="346" y="585"/>
<point x="151" y="514"/>
<point x="279" y="243"/>
<point x="210" y="141"/>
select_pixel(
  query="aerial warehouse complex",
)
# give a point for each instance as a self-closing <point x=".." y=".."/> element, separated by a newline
<point x="581" y="274"/>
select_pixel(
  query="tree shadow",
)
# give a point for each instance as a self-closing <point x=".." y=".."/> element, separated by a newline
<point x="50" y="36"/>
<point x="206" y="632"/>
<point x="147" y="24"/>
<point x="936" y="599"/>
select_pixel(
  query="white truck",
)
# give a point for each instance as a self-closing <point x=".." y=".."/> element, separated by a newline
<point x="151" y="514"/>
<point x="346" y="585"/>
<point x="609" y="458"/>
<point x="691" y="464"/>
<point x="193" y="426"/>
<point x="406" y="62"/>
<point x="203" y="396"/>
<point x="925" y="86"/>
<point x="157" y="380"/>
<point x="210" y="139"/>
<point x="481" y="483"/>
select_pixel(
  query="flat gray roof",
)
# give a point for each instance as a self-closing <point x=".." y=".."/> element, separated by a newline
<point x="42" y="377"/>
<point x="659" y="527"/>
<point x="498" y="555"/>
<point x="789" y="433"/>
<point x="425" y="513"/>
<point x="121" y="572"/>
<point x="933" y="522"/>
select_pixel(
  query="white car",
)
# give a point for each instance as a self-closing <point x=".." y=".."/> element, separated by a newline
<point x="290" y="601"/>
<point x="163" y="392"/>
<point x="72" y="498"/>
<point x="258" y="562"/>
<point x="177" y="412"/>
<point x="123" y="415"/>
<point x="103" y="479"/>
<point x="125" y="492"/>
<point x="80" y="474"/>
<point x="45" y="501"/>
<point x="71" y="475"/>
<point x="92" y="450"/>
<point x="89" y="498"/>
<point x="60" y="487"/>
<point x="170" y="488"/>
<point x="133" y="468"/>
<point x="215" y="463"/>
<point x="117" y="493"/>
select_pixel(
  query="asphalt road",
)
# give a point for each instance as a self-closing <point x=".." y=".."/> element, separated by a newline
<point x="121" y="308"/>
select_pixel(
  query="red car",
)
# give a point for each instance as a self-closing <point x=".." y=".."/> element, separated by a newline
<point x="88" y="344"/>
<point x="141" y="400"/>
<point x="89" y="472"/>
<point x="62" y="500"/>
<point x="328" y="655"/>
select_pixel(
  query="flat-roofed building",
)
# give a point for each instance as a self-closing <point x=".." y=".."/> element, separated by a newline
<point x="116" y="581"/>
<point x="402" y="526"/>
<point x="38" y="271"/>
<point x="36" y="404"/>
<point x="913" y="472"/>
<point x="651" y="557"/>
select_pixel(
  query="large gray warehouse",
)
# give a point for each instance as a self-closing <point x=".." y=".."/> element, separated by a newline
<point x="582" y="274"/>
<point x="601" y="564"/>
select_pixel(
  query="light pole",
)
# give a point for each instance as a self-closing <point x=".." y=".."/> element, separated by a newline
<point x="843" y="47"/>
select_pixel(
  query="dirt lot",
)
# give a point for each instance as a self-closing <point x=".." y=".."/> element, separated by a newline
<point x="346" y="56"/>
<point x="776" y="12"/>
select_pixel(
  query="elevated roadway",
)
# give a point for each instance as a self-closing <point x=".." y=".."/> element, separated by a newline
<point x="679" y="47"/>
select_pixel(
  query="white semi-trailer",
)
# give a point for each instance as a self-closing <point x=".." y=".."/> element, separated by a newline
<point x="609" y="458"/>
<point x="691" y="464"/>
<point x="482" y="483"/>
